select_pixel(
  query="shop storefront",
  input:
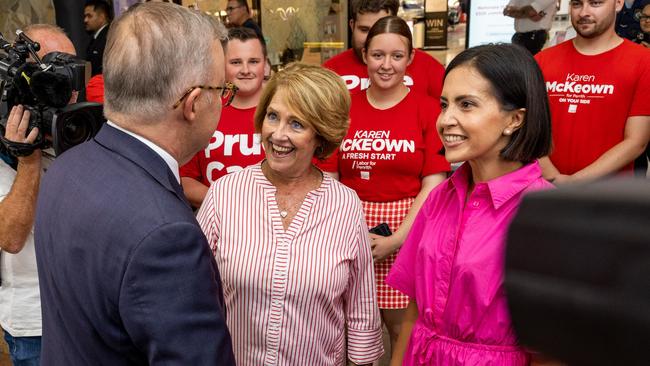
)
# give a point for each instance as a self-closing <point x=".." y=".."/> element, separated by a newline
<point x="314" y="30"/>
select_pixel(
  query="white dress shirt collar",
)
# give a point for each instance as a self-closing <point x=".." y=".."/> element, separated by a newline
<point x="99" y="30"/>
<point x="171" y="162"/>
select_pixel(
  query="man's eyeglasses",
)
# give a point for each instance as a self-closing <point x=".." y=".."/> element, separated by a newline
<point x="228" y="92"/>
<point x="644" y="18"/>
<point x="231" y="8"/>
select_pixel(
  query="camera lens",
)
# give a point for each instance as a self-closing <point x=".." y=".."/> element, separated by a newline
<point x="76" y="129"/>
<point x="75" y="124"/>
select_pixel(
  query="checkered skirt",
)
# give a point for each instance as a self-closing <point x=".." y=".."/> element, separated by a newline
<point x="392" y="213"/>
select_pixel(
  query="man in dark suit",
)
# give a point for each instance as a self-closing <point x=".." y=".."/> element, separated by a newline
<point x="97" y="18"/>
<point x="239" y="15"/>
<point x="126" y="275"/>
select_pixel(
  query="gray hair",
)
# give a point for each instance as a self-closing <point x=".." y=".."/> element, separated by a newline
<point x="154" y="52"/>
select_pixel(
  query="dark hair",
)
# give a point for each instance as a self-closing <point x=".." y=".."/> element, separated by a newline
<point x="390" y="24"/>
<point x="517" y="82"/>
<point x="243" y="3"/>
<point x="244" y="34"/>
<point x="101" y="6"/>
<point x="373" y="6"/>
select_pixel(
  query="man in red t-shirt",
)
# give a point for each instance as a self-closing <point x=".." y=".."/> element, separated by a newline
<point x="424" y="74"/>
<point x="599" y="90"/>
<point x="234" y="145"/>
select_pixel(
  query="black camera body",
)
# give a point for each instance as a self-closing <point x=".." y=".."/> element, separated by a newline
<point x="45" y="88"/>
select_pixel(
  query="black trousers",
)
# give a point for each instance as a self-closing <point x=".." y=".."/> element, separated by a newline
<point x="532" y="41"/>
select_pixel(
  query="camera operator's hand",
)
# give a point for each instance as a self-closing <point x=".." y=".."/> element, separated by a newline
<point x="16" y="131"/>
<point x="19" y="205"/>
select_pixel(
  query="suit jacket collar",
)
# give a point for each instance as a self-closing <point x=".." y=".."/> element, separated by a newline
<point x="140" y="154"/>
<point x="101" y="31"/>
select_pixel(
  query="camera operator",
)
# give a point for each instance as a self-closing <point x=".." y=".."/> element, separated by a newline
<point x="20" y="309"/>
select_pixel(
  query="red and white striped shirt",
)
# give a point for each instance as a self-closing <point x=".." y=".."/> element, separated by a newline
<point x="292" y="296"/>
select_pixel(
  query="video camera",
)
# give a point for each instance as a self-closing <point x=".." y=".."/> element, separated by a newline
<point x="45" y="87"/>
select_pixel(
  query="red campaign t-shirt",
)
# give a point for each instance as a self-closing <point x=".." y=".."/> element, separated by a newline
<point x="386" y="153"/>
<point x="591" y="98"/>
<point x="423" y="75"/>
<point x="233" y="146"/>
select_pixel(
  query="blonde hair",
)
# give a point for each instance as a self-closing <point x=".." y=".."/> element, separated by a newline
<point x="154" y="52"/>
<point x="318" y="96"/>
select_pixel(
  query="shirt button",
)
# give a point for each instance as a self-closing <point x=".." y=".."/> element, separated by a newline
<point x="475" y="204"/>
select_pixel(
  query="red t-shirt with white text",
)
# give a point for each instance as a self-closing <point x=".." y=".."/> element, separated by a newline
<point x="233" y="146"/>
<point x="423" y="75"/>
<point x="591" y="98"/>
<point x="386" y="153"/>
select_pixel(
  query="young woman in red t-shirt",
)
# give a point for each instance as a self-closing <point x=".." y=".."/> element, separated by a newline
<point x="390" y="154"/>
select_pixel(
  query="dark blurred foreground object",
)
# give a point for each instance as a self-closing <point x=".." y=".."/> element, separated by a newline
<point x="578" y="273"/>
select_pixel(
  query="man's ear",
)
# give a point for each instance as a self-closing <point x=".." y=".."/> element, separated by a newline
<point x="351" y="25"/>
<point x="189" y="104"/>
<point x="619" y="5"/>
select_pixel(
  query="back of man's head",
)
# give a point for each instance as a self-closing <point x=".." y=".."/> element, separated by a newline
<point x="154" y="52"/>
<point x="101" y="6"/>
<point x="373" y="6"/>
<point x="51" y="38"/>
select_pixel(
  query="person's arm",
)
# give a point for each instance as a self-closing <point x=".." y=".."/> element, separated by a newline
<point x="382" y="246"/>
<point x="410" y="317"/>
<point x="19" y="205"/>
<point x="635" y="140"/>
<point x="519" y="12"/>
<point x="533" y="11"/>
<point x="512" y="12"/>
<point x="549" y="171"/>
<point x="363" y="322"/>
<point x="170" y="299"/>
<point x="195" y="191"/>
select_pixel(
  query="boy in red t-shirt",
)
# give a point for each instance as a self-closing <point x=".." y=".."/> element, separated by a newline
<point x="598" y="86"/>
<point x="234" y="145"/>
<point x="423" y="75"/>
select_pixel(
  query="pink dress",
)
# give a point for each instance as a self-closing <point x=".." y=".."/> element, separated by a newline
<point x="452" y="265"/>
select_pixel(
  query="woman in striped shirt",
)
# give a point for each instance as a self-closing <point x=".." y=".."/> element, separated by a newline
<point x="291" y="243"/>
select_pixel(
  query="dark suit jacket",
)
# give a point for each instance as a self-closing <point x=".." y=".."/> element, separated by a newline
<point x="95" y="51"/>
<point x="126" y="274"/>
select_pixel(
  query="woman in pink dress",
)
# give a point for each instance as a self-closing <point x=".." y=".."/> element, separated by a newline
<point x="495" y="118"/>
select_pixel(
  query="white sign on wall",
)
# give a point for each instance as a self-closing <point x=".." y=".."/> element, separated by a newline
<point x="487" y="24"/>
